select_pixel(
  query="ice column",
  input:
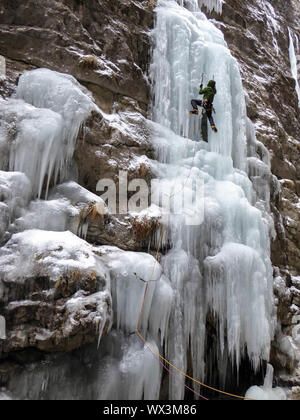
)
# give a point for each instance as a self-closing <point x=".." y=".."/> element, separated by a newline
<point x="294" y="66"/>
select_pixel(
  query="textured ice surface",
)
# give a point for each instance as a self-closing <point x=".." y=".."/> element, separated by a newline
<point x="235" y="279"/>
<point x="266" y="392"/>
<point x="15" y="193"/>
<point x="45" y="120"/>
<point x="188" y="45"/>
<point x="129" y="272"/>
<point x="52" y="215"/>
<point x="122" y="369"/>
<point x="60" y="213"/>
<point x="294" y="67"/>
<point x="222" y="267"/>
<point x="212" y="5"/>
<point x="39" y="131"/>
<point x="62" y="94"/>
<point x="137" y="375"/>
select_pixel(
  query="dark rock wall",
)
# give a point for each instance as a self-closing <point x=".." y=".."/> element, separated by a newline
<point x="53" y="34"/>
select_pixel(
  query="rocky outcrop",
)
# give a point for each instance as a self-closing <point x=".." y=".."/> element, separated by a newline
<point x="107" y="146"/>
<point x="54" y="293"/>
<point x="128" y="233"/>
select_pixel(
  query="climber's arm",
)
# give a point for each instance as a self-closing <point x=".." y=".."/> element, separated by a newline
<point x="203" y="91"/>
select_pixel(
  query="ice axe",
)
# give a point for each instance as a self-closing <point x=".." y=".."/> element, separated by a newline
<point x="202" y="79"/>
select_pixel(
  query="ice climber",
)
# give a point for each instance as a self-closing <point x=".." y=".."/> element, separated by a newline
<point x="207" y="103"/>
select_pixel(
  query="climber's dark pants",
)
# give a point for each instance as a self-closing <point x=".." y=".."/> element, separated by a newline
<point x="207" y="107"/>
<point x="196" y="103"/>
<point x="210" y="117"/>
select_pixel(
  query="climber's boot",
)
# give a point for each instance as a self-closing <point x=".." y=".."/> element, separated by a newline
<point x="194" y="112"/>
<point x="214" y="128"/>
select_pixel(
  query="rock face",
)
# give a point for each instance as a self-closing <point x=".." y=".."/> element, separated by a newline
<point x="75" y="28"/>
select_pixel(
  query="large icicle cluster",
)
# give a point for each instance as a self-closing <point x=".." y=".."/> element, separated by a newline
<point x="45" y="119"/>
<point x="37" y="139"/>
<point x="130" y="271"/>
<point x="38" y="133"/>
<point x="210" y="5"/>
<point x="219" y="270"/>
<point x="60" y="93"/>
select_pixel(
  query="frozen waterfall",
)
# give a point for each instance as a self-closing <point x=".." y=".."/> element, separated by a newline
<point x="220" y="271"/>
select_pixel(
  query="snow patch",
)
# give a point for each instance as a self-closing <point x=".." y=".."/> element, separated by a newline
<point x="35" y="253"/>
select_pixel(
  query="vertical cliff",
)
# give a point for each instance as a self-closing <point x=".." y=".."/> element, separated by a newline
<point x="107" y="47"/>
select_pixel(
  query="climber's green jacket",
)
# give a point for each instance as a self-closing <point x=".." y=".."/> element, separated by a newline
<point x="209" y="92"/>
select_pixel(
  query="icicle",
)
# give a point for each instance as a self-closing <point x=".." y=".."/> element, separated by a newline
<point x="48" y="127"/>
<point x="266" y="392"/>
<point x="294" y="66"/>
<point x="129" y="272"/>
<point x="211" y="5"/>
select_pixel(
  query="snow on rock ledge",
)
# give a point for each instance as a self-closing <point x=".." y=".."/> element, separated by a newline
<point x="66" y="210"/>
<point x="54" y="292"/>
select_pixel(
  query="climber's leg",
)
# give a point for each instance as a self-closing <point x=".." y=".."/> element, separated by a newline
<point x="195" y="103"/>
<point x="204" y="132"/>
<point x="211" y="121"/>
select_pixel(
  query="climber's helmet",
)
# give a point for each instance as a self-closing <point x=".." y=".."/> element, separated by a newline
<point x="211" y="84"/>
